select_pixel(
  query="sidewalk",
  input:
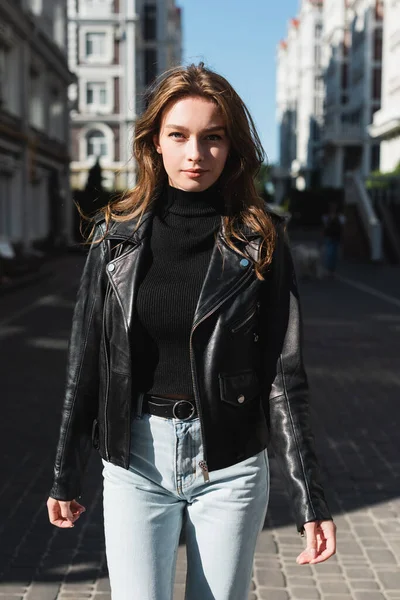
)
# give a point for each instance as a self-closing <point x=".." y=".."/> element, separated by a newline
<point x="352" y="349"/>
<point x="35" y="270"/>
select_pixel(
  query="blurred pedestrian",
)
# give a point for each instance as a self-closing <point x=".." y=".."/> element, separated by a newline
<point x="333" y="222"/>
<point x="185" y="358"/>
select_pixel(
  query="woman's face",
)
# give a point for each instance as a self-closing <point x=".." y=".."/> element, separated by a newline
<point x="193" y="143"/>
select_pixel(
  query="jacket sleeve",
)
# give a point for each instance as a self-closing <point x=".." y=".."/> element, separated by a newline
<point x="82" y="379"/>
<point x="286" y="403"/>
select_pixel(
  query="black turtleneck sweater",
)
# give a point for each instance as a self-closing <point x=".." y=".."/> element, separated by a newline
<point x="182" y="239"/>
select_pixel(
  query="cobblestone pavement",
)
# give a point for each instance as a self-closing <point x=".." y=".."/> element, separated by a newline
<point x="352" y="354"/>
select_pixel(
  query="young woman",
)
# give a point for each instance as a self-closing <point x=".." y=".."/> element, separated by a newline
<point x="185" y="358"/>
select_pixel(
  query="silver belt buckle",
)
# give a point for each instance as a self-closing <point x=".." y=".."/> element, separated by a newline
<point x="193" y="409"/>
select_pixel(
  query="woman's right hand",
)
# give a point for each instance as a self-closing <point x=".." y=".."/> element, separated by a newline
<point x="64" y="514"/>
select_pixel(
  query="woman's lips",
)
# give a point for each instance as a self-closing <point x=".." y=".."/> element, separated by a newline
<point x="195" y="174"/>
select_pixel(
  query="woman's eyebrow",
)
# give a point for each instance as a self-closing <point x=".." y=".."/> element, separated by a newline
<point x="207" y="130"/>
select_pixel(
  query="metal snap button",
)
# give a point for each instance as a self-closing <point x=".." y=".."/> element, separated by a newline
<point x="244" y="262"/>
<point x="111" y="267"/>
<point x="255" y="337"/>
<point x="241" y="399"/>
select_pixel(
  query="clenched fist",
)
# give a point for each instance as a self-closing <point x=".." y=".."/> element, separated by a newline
<point x="64" y="514"/>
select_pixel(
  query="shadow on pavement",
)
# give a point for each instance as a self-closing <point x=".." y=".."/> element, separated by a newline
<point x="352" y="358"/>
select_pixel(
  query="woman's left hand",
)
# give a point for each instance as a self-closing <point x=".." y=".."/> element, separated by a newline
<point x="321" y="542"/>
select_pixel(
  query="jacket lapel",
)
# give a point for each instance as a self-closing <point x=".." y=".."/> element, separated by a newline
<point x="130" y="252"/>
<point x="226" y="273"/>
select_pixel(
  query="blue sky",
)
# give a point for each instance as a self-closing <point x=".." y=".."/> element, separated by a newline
<point x="238" y="40"/>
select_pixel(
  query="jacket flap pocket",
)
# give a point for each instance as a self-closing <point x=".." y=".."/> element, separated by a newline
<point x="239" y="389"/>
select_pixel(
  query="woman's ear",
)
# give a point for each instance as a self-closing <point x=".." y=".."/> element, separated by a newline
<point x="156" y="141"/>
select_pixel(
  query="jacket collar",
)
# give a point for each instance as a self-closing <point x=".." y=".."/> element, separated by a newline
<point x="137" y="228"/>
<point x="227" y="271"/>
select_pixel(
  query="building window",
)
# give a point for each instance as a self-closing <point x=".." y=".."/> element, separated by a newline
<point x="378" y="44"/>
<point x="150" y="65"/>
<point x="317" y="55"/>
<point x="319" y="84"/>
<point x="346" y="42"/>
<point x="3" y="73"/>
<point x="318" y="106"/>
<point x="345" y="77"/>
<point x="59" y="28"/>
<point x="96" y="144"/>
<point x="315" y="131"/>
<point x="96" y="93"/>
<point x="56" y="114"/>
<point x="150" y="22"/>
<point x="36" y="101"/>
<point x="5" y="203"/>
<point x="96" y="44"/>
<point x="379" y="10"/>
<point x="10" y="79"/>
<point x="375" y="157"/>
<point x="377" y="83"/>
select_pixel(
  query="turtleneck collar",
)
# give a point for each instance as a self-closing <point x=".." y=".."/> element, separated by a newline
<point x="183" y="203"/>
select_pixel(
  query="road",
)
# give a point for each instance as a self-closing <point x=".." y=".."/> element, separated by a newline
<point x="352" y="348"/>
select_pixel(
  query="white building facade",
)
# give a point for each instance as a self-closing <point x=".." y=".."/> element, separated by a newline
<point x="300" y="95"/>
<point x="116" y="49"/>
<point x="34" y="123"/>
<point x="386" y="121"/>
<point x="352" y="41"/>
<point x="310" y="110"/>
<point x="287" y="89"/>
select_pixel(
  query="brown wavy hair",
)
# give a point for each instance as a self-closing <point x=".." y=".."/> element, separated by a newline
<point x="237" y="179"/>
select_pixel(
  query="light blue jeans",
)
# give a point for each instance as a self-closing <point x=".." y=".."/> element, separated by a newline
<point x="146" y="506"/>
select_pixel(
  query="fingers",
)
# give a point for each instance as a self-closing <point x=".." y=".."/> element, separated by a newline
<point x="321" y="542"/>
<point x="77" y="509"/>
<point x="310" y="553"/>
<point x="64" y="514"/>
<point x="328" y="531"/>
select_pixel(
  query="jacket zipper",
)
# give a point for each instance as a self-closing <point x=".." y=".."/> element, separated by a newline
<point x="107" y="370"/>
<point x="203" y="463"/>
<point x="247" y="318"/>
<point x="110" y="287"/>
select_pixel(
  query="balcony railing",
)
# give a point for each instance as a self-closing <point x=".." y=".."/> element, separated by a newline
<point x="386" y="123"/>
<point x="356" y="194"/>
<point x="342" y="134"/>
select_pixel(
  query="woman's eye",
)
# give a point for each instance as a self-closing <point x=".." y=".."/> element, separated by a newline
<point x="212" y="137"/>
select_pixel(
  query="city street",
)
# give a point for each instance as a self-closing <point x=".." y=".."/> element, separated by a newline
<point x="352" y="344"/>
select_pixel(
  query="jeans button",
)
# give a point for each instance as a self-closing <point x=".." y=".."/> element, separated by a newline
<point x="241" y="399"/>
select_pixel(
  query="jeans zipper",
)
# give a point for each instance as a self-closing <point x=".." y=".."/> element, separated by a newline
<point x="203" y="463"/>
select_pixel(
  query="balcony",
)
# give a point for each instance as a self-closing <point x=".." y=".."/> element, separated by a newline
<point x="342" y="135"/>
<point x="386" y="124"/>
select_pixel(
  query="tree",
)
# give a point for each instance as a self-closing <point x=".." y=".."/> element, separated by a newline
<point x="94" y="184"/>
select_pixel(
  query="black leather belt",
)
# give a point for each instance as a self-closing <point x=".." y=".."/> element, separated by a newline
<point x="169" y="408"/>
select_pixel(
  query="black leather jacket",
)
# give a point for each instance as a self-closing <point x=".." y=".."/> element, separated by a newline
<point x="245" y="342"/>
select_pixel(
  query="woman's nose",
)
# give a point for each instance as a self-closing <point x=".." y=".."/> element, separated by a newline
<point x="195" y="151"/>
